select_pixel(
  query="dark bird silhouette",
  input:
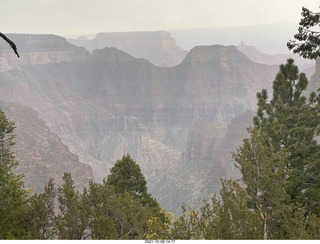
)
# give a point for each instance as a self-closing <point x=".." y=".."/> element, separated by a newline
<point x="11" y="43"/>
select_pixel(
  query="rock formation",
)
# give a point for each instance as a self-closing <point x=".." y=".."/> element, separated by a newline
<point x="40" y="152"/>
<point x="39" y="49"/>
<point x="157" y="46"/>
<point x="108" y="103"/>
<point x="276" y="59"/>
<point x="206" y="159"/>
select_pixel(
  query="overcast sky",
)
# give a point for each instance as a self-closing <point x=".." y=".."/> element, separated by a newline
<point x="73" y="17"/>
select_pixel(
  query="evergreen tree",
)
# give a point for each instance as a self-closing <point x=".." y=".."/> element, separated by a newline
<point x="263" y="175"/>
<point x="235" y="219"/>
<point x="103" y="205"/>
<point x="42" y="213"/>
<point x="72" y="221"/>
<point x="292" y="123"/>
<point x="116" y="215"/>
<point x="126" y="176"/>
<point x="158" y="229"/>
<point x="13" y="197"/>
<point x="229" y="218"/>
<point x="307" y="41"/>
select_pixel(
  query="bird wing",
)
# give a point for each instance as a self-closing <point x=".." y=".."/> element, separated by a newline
<point x="11" y="43"/>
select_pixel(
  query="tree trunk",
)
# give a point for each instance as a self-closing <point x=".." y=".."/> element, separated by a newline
<point x="265" y="228"/>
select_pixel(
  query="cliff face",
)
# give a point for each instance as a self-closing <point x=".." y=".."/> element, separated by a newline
<point x="110" y="103"/>
<point x="158" y="47"/>
<point x="305" y="65"/>
<point x="39" y="49"/>
<point x="213" y="83"/>
<point x="206" y="159"/>
<point x="40" y="152"/>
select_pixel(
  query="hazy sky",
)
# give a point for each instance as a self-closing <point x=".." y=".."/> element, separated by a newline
<point x="73" y="17"/>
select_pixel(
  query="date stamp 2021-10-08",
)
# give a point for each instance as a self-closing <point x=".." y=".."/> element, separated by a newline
<point x="159" y="241"/>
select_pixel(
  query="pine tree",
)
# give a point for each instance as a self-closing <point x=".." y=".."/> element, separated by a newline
<point x="42" y="213"/>
<point x="229" y="218"/>
<point x="293" y="122"/>
<point x="236" y="220"/>
<point x="116" y="216"/>
<point x="72" y="221"/>
<point x="126" y="176"/>
<point x="307" y="41"/>
<point x="263" y="174"/>
<point x="103" y="207"/>
<point x="13" y="197"/>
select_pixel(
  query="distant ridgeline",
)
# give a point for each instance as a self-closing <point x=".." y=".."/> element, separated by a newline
<point x="174" y="121"/>
<point x="156" y="46"/>
<point x="39" y="49"/>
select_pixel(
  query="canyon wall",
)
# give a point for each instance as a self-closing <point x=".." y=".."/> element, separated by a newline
<point x="156" y="46"/>
<point x="40" y="152"/>
<point x="171" y="120"/>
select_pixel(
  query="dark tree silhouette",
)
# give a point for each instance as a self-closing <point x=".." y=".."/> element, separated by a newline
<point x="307" y="41"/>
<point x="11" y="43"/>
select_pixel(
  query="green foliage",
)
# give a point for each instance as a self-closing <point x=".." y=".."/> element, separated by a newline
<point x="98" y="212"/>
<point x="103" y="228"/>
<point x="228" y="218"/>
<point x="280" y="169"/>
<point x="263" y="173"/>
<point x="278" y="197"/>
<point x="102" y="198"/>
<point x="126" y="176"/>
<point x="292" y="123"/>
<point x="307" y="41"/>
<point x="13" y="197"/>
<point x="159" y="229"/>
<point x="124" y="215"/>
<point x="235" y="216"/>
<point x="42" y="213"/>
<point x="72" y="220"/>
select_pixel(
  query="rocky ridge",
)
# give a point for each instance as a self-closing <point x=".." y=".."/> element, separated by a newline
<point x="156" y="46"/>
<point x="111" y="103"/>
<point x="39" y="49"/>
<point x="276" y="59"/>
<point x="40" y="152"/>
<point x="206" y="159"/>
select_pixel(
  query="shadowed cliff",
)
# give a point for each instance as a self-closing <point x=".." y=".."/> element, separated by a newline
<point x="108" y="103"/>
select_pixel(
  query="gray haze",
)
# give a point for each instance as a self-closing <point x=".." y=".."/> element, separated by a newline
<point x="73" y="17"/>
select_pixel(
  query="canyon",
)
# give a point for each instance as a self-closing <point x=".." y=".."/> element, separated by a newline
<point x="179" y="123"/>
<point x="156" y="46"/>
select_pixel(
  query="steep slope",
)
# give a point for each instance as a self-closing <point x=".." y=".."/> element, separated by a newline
<point x="111" y="103"/>
<point x="213" y="83"/>
<point x="206" y="159"/>
<point x="40" y="152"/>
<point x="158" y="46"/>
<point x="98" y="136"/>
<point x="39" y="49"/>
<point x="207" y="76"/>
<point x="274" y="59"/>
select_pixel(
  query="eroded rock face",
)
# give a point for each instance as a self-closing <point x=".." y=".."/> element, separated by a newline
<point x="158" y="46"/>
<point x="111" y="103"/>
<point x="39" y="49"/>
<point x="212" y="81"/>
<point x="206" y="159"/>
<point x="40" y="152"/>
<point x="275" y="59"/>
